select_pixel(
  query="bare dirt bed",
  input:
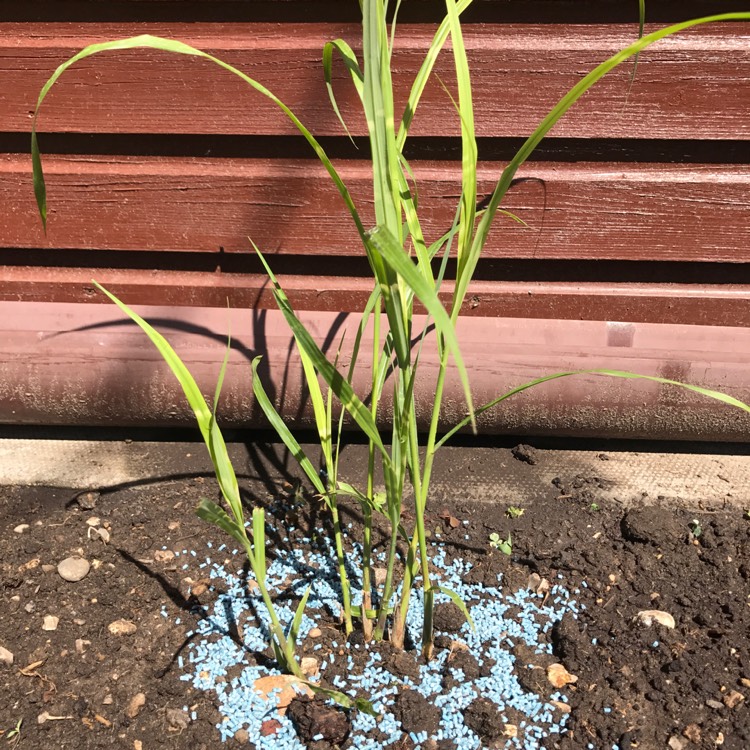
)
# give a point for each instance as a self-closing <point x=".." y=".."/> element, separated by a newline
<point x="97" y="662"/>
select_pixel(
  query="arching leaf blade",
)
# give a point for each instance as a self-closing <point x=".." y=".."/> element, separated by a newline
<point x="709" y="393"/>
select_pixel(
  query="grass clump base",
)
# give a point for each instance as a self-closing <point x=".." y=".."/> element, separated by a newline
<point x="476" y="692"/>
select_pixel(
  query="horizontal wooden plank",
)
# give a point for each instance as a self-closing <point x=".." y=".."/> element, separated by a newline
<point x="87" y="364"/>
<point x="694" y="304"/>
<point x="573" y="211"/>
<point x="693" y="86"/>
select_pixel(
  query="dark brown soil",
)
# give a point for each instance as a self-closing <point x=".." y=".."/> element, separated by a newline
<point x="639" y="687"/>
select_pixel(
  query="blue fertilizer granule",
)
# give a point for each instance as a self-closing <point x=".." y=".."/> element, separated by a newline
<point x="502" y="619"/>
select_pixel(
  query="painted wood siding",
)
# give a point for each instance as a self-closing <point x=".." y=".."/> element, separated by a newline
<point x="635" y="254"/>
<point x="160" y="167"/>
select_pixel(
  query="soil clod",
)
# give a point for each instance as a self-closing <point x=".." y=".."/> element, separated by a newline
<point x="416" y="713"/>
<point x="315" y="720"/>
<point x="483" y="717"/>
<point x="525" y="453"/>
<point x="652" y="525"/>
<point x="87" y="500"/>
<point x="448" y="617"/>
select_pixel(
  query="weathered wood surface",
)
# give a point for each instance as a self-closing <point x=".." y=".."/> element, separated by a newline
<point x="573" y="211"/>
<point x="696" y="85"/>
<point x="695" y="304"/>
<point x="87" y="365"/>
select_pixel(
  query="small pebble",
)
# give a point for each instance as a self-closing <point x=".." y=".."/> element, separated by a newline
<point x="559" y="676"/>
<point x="562" y="707"/>
<point x="73" y="569"/>
<point x="88" y="500"/>
<point x="103" y="534"/>
<point x="177" y="719"/>
<point x="137" y="702"/>
<point x="315" y="633"/>
<point x="733" y="699"/>
<point x="6" y="657"/>
<point x="122" y="627"/>
<point x="693" y="733"/>
<point x="50" y="622"/>
<point x="309" y="665"/>
<point x="648" y="617"/>
<point x="21" y="528"/>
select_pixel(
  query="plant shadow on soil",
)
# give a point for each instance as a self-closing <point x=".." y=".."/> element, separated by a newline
<point x="637" y="687"/>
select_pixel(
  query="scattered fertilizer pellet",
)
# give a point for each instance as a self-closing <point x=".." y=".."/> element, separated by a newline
<point x="502" y="620"/>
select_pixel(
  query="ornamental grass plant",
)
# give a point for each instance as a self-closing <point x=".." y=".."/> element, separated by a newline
<point x="408" y="263"/>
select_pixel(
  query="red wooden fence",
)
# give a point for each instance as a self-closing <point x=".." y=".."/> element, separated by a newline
<point x="160" y="167"/>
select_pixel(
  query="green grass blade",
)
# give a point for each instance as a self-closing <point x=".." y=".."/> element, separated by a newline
<point x="218" y="451"/>
<point x="378" y="105"/>
<point x="393" y="27"/>
<point x="320" y="411"/>
<point x="394" y="255"/>
<point x="177" y="47"/>
<point x="641" y="17"/>
<point x="567" y="101"/>
<point x="259" y="543"/>
<point x="283" y="431"/>
<point x="398" y="320"/>
<point x="641" y="25"/>
<point x="330" y="374"/>
<point x="372" y="301"/>
<point x="204" y="416"/>
<point x="424" y="73"/>
<point x="215" y="514"/>
<point x="458" y="601"/>
<point x="220" y="379"/>
<point x="297" y="621"/>
<point x="352" y="65"/>
<point x="468" y="139"/>
<point x="409" y="206"/>
<point x="717" y="395"/>
<point x="189" y="386"/>
<point x="344" y="700"/>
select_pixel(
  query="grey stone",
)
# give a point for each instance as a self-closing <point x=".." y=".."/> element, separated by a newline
<point x="73" y="569"/>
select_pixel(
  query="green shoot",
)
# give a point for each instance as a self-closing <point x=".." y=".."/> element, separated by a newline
<point x="504" y="545"/>
<point x="695" y="528"/>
